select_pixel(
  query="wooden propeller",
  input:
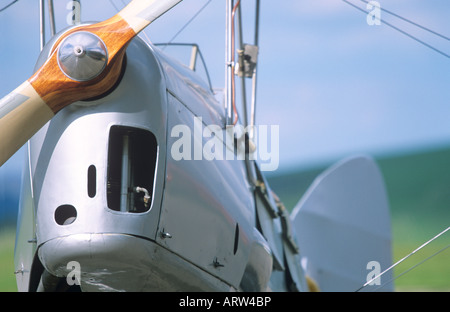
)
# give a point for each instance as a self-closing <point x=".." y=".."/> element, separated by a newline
<point x="30" y="106"/>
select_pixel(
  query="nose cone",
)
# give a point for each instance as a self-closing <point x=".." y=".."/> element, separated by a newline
<point x="73" y="167"/>
<point x="119" y="262"/>
<point x="76" y="160"/>
<point x="82" y="56"/>
<point x="93" y="261"/>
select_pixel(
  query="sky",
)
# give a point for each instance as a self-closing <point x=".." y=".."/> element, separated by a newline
<point x="335" y="85"/>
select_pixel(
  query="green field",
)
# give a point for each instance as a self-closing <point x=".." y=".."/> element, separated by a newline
<point x="7" y="277"/>
<point x="418" y="186"/>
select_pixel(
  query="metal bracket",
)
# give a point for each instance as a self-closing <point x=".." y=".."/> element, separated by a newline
<point x="165" y="234"/>
<point x="261" y="188"/>
<point x="217" y="264"/>
<point x="247" y="61"/>
<point x="287" y="227"/>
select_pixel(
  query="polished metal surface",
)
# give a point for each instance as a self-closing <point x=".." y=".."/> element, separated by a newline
<point x="206" y="226"/>
<point x="82" y="56"/>
<point x="118" y="262"/>
<point x="77" y="138"/>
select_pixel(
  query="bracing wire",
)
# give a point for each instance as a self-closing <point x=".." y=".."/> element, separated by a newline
<point x="117" y="10"/>
<point x="413" y="267"/>
<point x="407" y="256"/>
<point x="181" y="29"/>
<point x="114" y="5"/>
<point x="190" y="21"/>
<point x="402" y="31"/>
<point x="411" y="22"/>
<point x="8" y="5"/>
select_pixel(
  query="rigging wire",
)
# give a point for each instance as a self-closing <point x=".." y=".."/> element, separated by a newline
<point x="236" y="116"/>
<point x="402" y="31"/>
<point x="411" y="22"/>
<point x="179" y="31"/>
<point x="413" y="267"/>
<point x="188" y="22"/>
<point x="406" y="257"/>
<point x="8" y="5"/>
<point x="114" y="5"/>
<point x="117" y="10"/>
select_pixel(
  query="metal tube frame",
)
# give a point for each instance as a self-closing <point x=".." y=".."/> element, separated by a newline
<point x="228" y="64"/>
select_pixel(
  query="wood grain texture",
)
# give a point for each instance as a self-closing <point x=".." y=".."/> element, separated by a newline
<point x="25" y="110"/>
<point x="57" y="90"/>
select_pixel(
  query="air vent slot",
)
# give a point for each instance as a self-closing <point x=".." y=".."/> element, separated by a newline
<point x="92" y="181"/>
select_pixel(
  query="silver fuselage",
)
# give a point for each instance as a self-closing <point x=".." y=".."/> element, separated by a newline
<point x="111" y="195"/>
<point x="198" y="232"/>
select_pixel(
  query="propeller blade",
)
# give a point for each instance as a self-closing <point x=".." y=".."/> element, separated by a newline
<point x="22" y="113"/>
<point x="139" y="14"/>
<point x="86" y="63"/>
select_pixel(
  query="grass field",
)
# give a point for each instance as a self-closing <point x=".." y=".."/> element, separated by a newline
<point x="419" y="191"/>
<point x="7" y="277"/>
<point x="418" y="187"/>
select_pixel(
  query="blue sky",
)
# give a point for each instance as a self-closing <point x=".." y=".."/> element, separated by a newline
<point x="335" y="85"/>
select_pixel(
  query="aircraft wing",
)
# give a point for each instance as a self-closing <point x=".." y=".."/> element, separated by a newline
<point x="343" y="227"/>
